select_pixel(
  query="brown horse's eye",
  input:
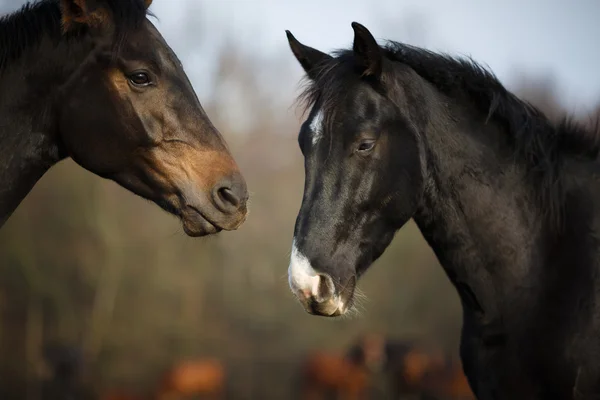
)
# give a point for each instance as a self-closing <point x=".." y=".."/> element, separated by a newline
<point x="139" y="79"/>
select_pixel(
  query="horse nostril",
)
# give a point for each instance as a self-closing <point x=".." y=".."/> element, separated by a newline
<point x="325" y="290"/>
<point x="228" y="196"/>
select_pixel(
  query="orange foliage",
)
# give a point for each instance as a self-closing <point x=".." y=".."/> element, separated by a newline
<point x="324" y="373"/>
<point x="201" y="377"/>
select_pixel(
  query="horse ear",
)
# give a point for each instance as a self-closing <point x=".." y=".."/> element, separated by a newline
<point x="83" y="12"/>
<point x="148" y="3"/>
<point x="309" y="58"/>
<point x="367" y="51"/>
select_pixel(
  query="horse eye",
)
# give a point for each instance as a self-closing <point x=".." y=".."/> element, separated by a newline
<point x="139" y="79"/>
<point x="365" y="146"/>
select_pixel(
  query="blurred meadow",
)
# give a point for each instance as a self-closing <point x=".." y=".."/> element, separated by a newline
<point x="84" y="262"/>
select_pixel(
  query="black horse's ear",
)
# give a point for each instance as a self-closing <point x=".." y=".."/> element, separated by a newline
<point x="367" y="51"/>
<point x="308" y="57"/>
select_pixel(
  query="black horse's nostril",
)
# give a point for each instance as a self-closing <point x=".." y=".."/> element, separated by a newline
<point x="326" y="289"/>
<point x="230" y="195"/>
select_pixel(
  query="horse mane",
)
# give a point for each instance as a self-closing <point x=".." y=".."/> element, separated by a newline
<point x="537" y="141"/>
<point x="26" y="27"/>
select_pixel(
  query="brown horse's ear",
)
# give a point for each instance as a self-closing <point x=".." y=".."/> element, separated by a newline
<point x="308" y="57"/>
<point x="148" y="3"/>
<point x="83" y="12"/>
<point x="367" y="51"/>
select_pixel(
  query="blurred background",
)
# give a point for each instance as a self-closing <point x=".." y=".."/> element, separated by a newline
<point x="84" y="262"/>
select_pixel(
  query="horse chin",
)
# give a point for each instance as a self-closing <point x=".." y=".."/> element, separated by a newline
<point x="331" y="310"/>
<point x="196" y="225"/>
<point x="199" y="231"/>
<point x="336" y="306"/>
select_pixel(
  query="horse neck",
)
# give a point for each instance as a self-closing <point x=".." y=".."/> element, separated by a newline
<point x="29" y="99"/>
<point x="476" y="212"/>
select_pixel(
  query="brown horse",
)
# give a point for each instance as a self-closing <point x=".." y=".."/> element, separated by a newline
<point x="448" y="383"/>
<point x="328" y="374"/>
<point x="95" y="81"/>
<point x="121" y="395"/>
<point x="199" y="377"/>
<point x="412" y="368"/>
<point x="430" y="373"/>
<point x="369" y="350"/>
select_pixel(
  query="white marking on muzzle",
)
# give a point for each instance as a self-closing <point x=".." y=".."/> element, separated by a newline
<point x="301" y="275"/>
<point x="316" y="126"/>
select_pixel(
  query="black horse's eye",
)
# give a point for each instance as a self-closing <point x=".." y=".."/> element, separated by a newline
<point x="366" y="146"/>
<point x="139" y="79"/>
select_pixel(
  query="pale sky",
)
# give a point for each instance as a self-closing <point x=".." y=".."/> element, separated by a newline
<point x="561" y="38"/>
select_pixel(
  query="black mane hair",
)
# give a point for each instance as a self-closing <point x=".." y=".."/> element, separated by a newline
<point x="537" y="141"/>
<point x="26" y="27"/>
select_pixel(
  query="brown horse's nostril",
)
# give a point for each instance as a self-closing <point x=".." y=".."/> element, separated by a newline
<point x="230" y="195"/>
<point x="227" y="196"/>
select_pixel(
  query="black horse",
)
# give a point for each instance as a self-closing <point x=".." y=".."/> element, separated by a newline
<point x="508" y="201"/>
<point x="95" y="81"/>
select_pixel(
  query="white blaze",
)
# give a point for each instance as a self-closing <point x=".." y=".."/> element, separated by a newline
<point x="316" y="126"/>
<point x="302" y="277"/>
